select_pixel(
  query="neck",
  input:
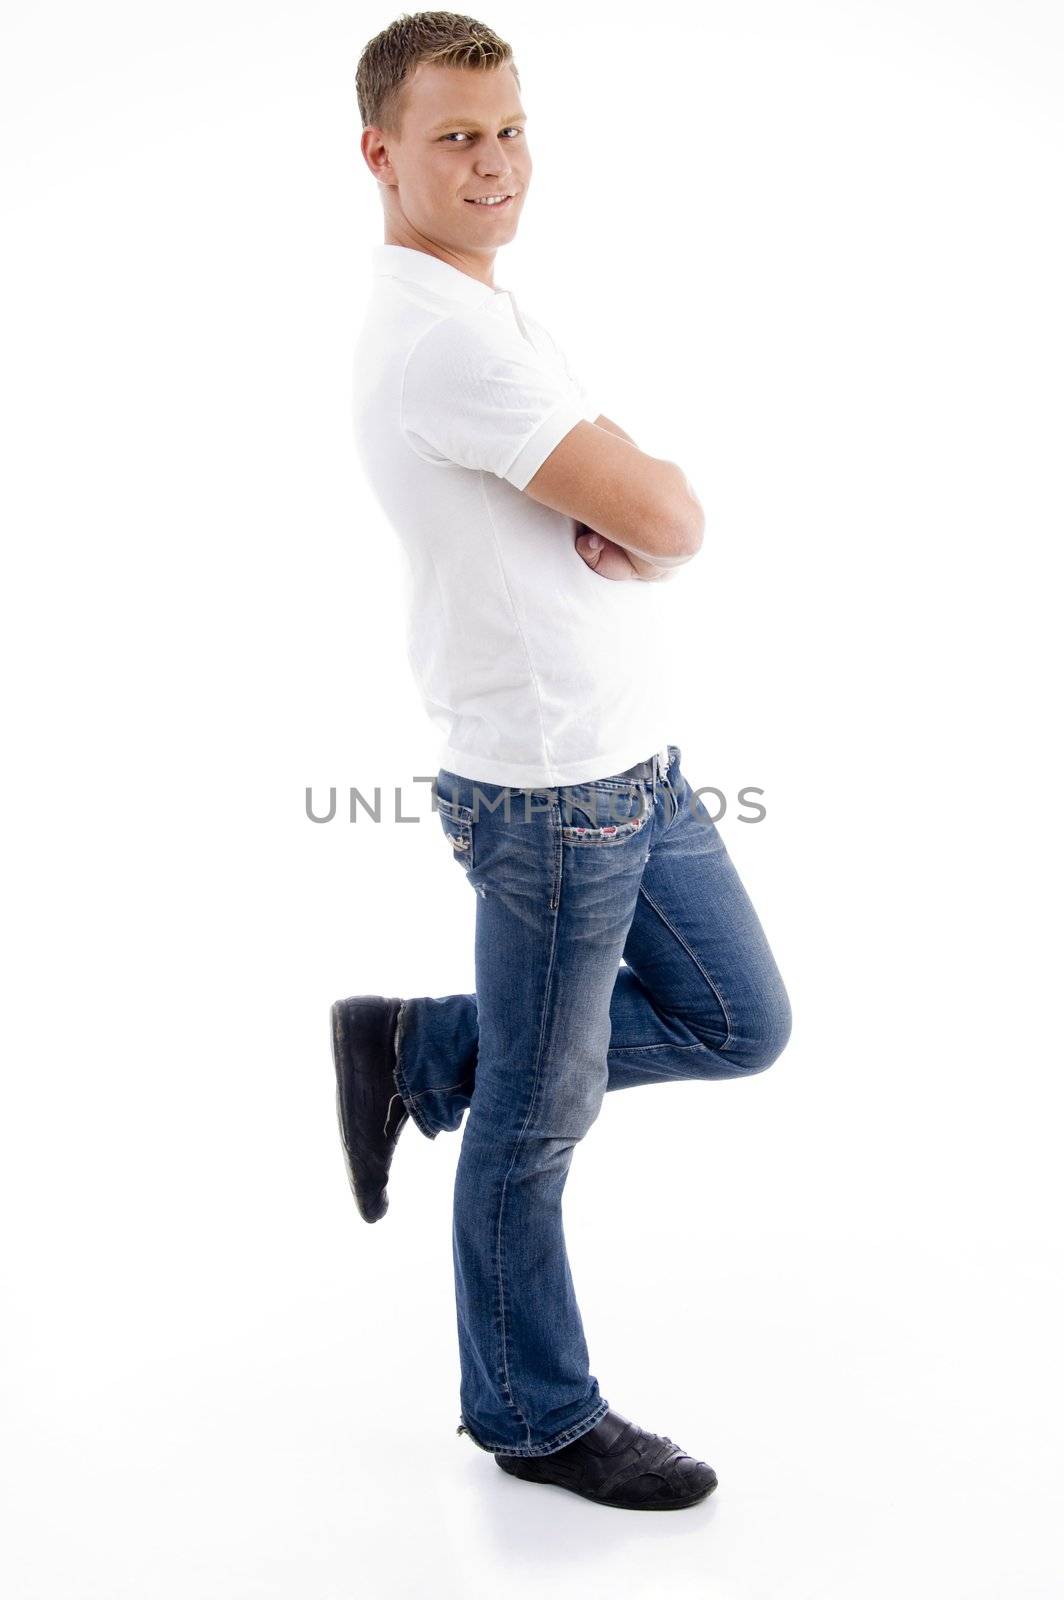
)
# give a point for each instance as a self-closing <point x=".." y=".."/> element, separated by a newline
<point x="475" y="264"/>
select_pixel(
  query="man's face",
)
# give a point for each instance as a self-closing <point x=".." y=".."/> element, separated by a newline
<point x="462" y="140"/>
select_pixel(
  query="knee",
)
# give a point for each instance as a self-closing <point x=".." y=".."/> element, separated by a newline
<point x="764" y="1034"/>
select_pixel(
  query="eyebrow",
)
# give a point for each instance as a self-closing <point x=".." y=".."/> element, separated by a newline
<point x="470" y="122"/>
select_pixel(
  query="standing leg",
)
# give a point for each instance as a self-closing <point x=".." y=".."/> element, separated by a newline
<point x="554" y="907"/>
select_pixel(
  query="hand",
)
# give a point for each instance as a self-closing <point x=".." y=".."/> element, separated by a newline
<point x="611" y="560"/>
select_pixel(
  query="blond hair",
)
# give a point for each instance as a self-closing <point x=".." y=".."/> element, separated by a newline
<point x="444" y="38"/>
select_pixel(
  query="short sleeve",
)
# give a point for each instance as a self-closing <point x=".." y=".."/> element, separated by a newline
<point x="477" y="394"/>
<point x="591" y="406"/>
<point x="589" y="400"/>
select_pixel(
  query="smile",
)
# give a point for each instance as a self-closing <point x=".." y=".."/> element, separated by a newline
<point x="491" y="200"/>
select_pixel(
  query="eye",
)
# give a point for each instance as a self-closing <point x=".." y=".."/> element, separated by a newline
<point x="461" y="134"/>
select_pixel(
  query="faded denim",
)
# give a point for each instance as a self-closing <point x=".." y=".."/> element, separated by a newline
<point x="615" y="946"/>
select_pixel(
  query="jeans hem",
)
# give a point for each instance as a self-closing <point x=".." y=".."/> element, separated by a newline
<point x="409" y="1100"/>
<point x="559" y="1440"/>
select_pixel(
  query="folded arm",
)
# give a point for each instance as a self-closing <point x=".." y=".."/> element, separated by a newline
<point x="607" y="557"/>
<point x="641" y="503"/>
<point x="477" y="393"/>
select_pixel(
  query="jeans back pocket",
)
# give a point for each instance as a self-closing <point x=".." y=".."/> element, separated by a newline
<point x="456" y="820"/>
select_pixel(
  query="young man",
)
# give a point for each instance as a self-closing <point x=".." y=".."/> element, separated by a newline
<point x="615" y="944"/>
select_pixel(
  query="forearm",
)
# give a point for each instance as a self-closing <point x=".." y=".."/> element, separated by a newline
<point x="652" y="568"/>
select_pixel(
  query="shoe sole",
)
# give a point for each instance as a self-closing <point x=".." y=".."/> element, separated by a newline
<point x="338" y="1054"/>
<point x="621" y="1505"/>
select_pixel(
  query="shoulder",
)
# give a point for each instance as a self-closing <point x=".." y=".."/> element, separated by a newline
<point x="469" y="342"/>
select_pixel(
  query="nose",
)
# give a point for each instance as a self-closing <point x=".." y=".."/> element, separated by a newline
<point x="492" y="161"/>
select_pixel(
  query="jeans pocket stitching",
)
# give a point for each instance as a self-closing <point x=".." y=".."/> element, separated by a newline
<point x="614" y="831"/>
<point x="456" y="820"/>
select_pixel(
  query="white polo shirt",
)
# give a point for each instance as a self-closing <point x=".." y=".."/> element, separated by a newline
<point x="535" y="670"/>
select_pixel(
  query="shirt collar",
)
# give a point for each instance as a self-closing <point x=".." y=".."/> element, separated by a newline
<point x="417" y="266"/>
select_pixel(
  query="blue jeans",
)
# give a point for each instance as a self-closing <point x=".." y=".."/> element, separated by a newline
<point x="615" y="946"/>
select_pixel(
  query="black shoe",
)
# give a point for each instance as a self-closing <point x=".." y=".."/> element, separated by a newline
<point x="618" y="1464"/>
<point x="369" y="1106"/>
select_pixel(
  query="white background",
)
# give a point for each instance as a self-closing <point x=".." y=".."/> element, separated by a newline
<point x="813" y="253"/>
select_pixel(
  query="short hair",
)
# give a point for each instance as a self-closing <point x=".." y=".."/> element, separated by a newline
<point x="446" y="38"/>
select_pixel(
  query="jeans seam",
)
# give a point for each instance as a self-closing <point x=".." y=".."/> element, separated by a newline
<point x="560" y="1439"/>
<point x="502" y="1195"/>
<point x="678" y="936"/>
<point x="626" y="1049"/>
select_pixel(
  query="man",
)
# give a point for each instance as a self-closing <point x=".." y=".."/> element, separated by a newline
<point x="615" y="944"/>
